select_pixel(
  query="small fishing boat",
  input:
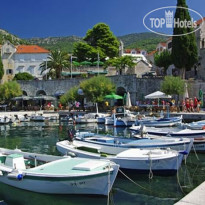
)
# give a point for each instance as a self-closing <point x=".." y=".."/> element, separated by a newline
<point x="91" y="118"/>
<point x="158" y="161"/>
<point x="38" y="118"/>
<point x="115" y="145"/>
<point x="22" y="118"/>
<point x="198" y="125"/>
<point x="167" y="131"/>
<point x="4" y="120"/>
<point x="197" y="135"/>
<point x="159" y="122"/>
<point x="55" y="174"/>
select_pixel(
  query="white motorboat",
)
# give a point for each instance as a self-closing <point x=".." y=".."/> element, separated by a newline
<point x="115" y="145"/>
<point x="38" y="118"/>
<point x="197" y="135"/>
<point x="4" y="120"/>
<point x="22" y="118"/>
<point x="198" y="125"/>
<point x="159" y="122"/>
<point x="55" y="174"/>
<point x="137" y="160"/>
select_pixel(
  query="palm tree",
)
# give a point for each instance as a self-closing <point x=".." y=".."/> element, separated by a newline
<point x="57" y="61"/>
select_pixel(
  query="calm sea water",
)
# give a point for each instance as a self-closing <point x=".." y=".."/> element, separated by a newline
<point x="42" y="137"/>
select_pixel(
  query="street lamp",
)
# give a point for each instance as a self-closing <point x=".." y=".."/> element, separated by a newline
<point x="71" y="58"/>
<point x="98" y="62"/>
<point x="71" y="64"/>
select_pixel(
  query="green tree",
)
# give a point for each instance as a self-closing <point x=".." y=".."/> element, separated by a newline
<point x="84" y="51"/>
<point x="9" y="90"/>
<point x="1" y="69"/>
<point x="70" y="96"/>
<point x="121" y="63"/>
<point x="184" y="48"/>
<point x="100" y="36"/>
<point x="163" y="60"/>
<point x="57" y="61"/>
<point x="173" y="85"/>
<point x="23" y="76"/>
<point x="96" y="88"/>
<point x="100" y="40"/>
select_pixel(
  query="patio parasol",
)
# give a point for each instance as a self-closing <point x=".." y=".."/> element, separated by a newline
<point x="113" y="96"/>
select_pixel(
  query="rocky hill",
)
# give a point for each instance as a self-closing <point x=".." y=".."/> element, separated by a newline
<point x="52" y="43"/>
<point x="147" y="41"/>
<point x="5" y="35"/>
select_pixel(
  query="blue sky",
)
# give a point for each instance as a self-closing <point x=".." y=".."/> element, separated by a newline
<point x="43" y="18"/>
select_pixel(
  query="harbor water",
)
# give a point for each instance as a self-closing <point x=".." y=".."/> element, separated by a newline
<point x="41" y="137"/>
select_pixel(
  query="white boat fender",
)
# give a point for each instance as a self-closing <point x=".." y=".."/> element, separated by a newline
<point x="72" y="154"/>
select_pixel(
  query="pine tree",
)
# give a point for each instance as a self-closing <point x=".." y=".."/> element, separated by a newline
<point x="184" y="48"/>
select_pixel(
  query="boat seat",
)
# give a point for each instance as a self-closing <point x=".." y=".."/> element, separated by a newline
<point x="89" y="165"/>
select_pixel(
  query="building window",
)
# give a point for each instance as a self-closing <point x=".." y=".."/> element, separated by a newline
<point x="169" y="45"/>
<point x="203" y="42"/>
<point x="20" y="69"/>
<point x="9" y="71"/>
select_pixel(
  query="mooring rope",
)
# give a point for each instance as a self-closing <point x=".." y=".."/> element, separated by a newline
<point x="133" y="180"/>
<point x="108" y="196"/>
<point x="178" y="177"/>
<point x="150" y="168"/>
<point x="195" y="152"/>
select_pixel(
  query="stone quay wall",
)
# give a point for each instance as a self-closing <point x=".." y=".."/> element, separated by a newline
<point x="137" y="87"/>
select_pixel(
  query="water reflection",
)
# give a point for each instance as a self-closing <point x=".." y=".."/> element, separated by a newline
<point x="41" y="137"/>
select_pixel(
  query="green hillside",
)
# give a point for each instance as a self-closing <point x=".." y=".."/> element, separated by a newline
<point x="146" y="41"/>
<point x="4" y="35"/>
<point x="54" y="43"/>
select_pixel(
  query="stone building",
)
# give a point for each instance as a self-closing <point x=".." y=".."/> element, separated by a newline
<point x="22" y="58"/>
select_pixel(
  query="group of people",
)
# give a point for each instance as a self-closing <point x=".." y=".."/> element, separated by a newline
<point x="191" y="105"/>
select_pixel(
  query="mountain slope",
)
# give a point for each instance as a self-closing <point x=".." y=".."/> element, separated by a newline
<point x="4" y="35"/>
<point x="147" y="41"/>
<point x="53" y="43"/>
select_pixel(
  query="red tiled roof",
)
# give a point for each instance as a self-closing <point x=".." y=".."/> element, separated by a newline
<point x="151" y="53"/>
<point x="200" y="21"/>
<point x="163" y="44"/>
<point x="127" y="50"/>
<point x="31" y="49"/>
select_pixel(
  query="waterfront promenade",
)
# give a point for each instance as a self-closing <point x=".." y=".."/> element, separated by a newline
<point x="195" y="197"/>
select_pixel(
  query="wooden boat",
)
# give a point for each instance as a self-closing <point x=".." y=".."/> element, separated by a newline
<point x="55" y="174"/>
<point x="159" y="122"/>
<point x="4" y="120"/>
<point x="198" y="125"/>
<point x="38" y="118"/>
<point x="158" y="161"/>
<point x="115" y="145"/>
<point x="197" y="135"/>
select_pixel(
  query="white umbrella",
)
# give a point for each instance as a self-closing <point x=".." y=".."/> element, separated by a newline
<point x="157" y="95"/>
<point x="128" y="100"/>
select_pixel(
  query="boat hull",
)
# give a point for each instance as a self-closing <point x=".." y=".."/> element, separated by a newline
<point x="166" y="164"/>
<point x="83" y="185"/>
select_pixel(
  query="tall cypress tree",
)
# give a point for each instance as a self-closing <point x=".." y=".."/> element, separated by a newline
<point x="1" y="69"/>
<point x="184" y="48"/>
